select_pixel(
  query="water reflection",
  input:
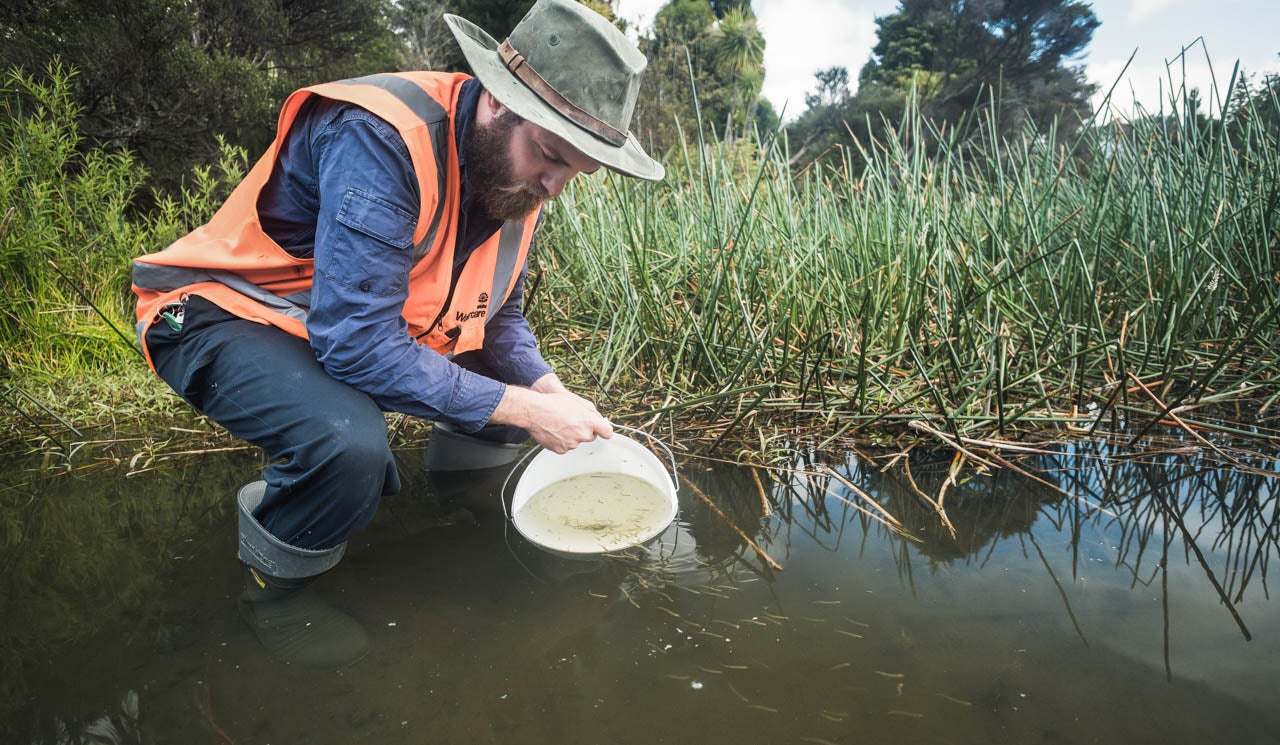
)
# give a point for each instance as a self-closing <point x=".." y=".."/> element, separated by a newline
<point x="1087" y="599"/>
<point x="1169" y="496"/>
<point x="118" y="727"/>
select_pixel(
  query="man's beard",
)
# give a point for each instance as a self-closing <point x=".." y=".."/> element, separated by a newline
<point x="488" y="151"/>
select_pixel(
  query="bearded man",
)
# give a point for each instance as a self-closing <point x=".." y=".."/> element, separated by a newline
<point x="374" y="260"/>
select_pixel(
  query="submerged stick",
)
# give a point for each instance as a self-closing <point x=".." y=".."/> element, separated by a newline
<point x="764" y="501"/>
<point x="957" y="463"/>
<point x="936" y="504"/>
<point x="863" y="495"/>
<point x="764" y="556"/>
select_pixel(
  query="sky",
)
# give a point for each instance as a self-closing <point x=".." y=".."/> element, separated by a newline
<point x="804" y="36"/>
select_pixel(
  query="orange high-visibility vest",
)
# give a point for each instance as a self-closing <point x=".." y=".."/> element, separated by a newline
<point x="234" y="264"/>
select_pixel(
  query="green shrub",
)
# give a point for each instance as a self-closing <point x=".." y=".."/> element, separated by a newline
<point x="69" y="230"/>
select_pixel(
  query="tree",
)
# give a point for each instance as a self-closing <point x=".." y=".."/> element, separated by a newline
<point x="428" y="43"/>
<point x="162" y="78"/>
<point x="954" y="58"/>
<point x="737" y="56"/>
<point x="960" y="54"/>
<point x="1254" y="107"/>
<point x="833" y="88"/>
<point x="738" y="46"/>
<point x="716" y="50"/>
<point x="826" y="116"/>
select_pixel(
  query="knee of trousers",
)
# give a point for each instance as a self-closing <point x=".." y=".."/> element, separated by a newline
<point x="351" y="453"/>
<point x="342" y="471"/>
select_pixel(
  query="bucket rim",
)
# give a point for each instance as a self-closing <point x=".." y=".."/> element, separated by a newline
<point x="537" y="449"/>
<point x="669" y="488"/>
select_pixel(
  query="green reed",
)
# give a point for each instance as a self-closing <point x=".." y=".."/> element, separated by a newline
<point x="950" y="275"/>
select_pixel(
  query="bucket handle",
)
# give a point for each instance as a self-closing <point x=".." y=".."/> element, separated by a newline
<point x="675" y="477"/>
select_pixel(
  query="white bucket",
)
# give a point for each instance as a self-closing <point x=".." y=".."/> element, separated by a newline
<point x="617" y="460"/>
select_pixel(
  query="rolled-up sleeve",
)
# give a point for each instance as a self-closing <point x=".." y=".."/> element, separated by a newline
<point x="368" y="205"/>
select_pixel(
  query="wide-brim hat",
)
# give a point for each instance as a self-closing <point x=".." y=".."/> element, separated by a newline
<point x="567" y="70"/>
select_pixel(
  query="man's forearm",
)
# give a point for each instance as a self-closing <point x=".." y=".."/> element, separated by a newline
<point x="556" y="418"/>
<point x="549" y="383"/>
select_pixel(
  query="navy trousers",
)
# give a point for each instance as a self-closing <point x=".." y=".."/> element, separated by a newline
<point x="327" y="442"/>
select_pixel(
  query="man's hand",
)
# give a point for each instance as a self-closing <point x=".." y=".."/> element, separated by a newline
<point x="557" y="419"/>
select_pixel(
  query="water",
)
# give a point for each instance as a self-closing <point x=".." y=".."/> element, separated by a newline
<point x="593" y="513"/>
<point x="1118" y="602"/>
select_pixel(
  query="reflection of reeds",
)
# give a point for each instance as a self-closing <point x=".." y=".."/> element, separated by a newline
<point x="1227" y="519"/>
<point x="1152" y="504"/>
<point x="1167" y="483"/>
<point x="1236" y="512"/>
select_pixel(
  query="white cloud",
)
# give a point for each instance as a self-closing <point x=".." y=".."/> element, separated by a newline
<point x="1155" y="86"/>
<point x="640" y="13"/>
<point x="800" y="42"/>
<point x="1143" y="9"/>
<point x="1148" y="86"/>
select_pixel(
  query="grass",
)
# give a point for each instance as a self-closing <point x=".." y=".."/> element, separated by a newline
<point x="986" y="287"/>
<point x="68" y="231"/>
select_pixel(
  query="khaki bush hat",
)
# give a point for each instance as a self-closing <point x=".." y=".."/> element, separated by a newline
<point x="568" y="70"/>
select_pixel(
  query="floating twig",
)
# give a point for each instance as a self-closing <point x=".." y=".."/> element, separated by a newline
<point x="866" y="497"/>
<point x="767" y="559"/>
<point x="936" y="504"/>
<point x="764" y="501"/>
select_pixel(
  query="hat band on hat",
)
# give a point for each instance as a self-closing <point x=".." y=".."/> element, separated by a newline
<point x="521" y="68"/>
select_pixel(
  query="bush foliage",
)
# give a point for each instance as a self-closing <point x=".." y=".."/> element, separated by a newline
<point x="69" y="231"/>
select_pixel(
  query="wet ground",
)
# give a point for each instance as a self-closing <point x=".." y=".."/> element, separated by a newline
<point x="1111" y="603"/>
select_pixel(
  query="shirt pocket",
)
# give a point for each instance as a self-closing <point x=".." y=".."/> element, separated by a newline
<point x="369" y="254"/>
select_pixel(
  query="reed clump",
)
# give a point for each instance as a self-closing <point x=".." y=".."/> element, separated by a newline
<point x="989" y="289"/>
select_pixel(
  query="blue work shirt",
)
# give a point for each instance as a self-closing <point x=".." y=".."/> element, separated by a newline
<point x="336" y="152"/>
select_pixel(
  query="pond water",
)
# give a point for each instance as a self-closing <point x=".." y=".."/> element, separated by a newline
<point x="1108" y="602"/>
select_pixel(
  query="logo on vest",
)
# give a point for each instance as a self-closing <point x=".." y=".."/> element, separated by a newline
<point x="482" y="309"/>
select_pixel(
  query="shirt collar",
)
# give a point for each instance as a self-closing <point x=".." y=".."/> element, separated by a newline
<point x="465" y="116"/>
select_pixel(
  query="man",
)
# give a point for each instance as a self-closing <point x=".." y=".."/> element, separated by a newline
<point x="373" y="260"/>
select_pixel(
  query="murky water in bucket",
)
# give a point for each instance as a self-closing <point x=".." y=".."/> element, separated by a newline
<point x="593" y="512"/>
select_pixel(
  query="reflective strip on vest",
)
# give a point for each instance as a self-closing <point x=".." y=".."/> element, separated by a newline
<point x="505" y="267"/>
<point x="431" y="113"/>
<point x="165" y="278"/>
